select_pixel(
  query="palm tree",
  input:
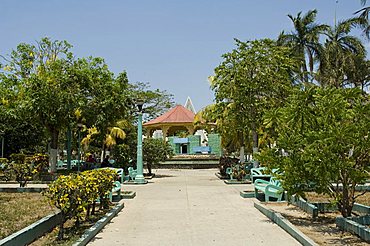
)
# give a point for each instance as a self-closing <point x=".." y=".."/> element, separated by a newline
<point x="364" y="17"/>
<point x="304" y="40"/>
<point x="339" y="51"/>
<point x="111" y="135"/>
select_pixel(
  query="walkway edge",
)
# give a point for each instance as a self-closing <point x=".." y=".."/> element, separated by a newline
<point x="286" y="225"/>
<point x="92" y="231"/>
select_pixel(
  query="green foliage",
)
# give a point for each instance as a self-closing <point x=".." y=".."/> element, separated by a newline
<point x="156" y="102"/>
<point x="73" y="194"/>
<point x="254" y="77"/>
<point x="24" y="168"/>
<point x="40" y="162"/>
<point x="155" y="151"/>
<point x="21" y="168"/>
<point x="239" y="172"/>
<point x="226" y="162"/>
<point x="304" y="42"/>
<point x="323" y="143"/>
<point x="45" y="83"/>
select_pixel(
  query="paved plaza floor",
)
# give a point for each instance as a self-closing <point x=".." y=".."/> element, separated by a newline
<point x="190" y="207"/>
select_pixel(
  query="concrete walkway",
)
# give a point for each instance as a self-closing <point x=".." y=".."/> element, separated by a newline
<point x="190" y="207"/>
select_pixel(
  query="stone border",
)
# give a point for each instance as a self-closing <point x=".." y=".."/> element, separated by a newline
<point x="28" y="182"/>
<point x="33" y="231"/>
<point x="247" y="194"/>
<point x="99" y="225"/>
<point x="234" y="181"/>
<point x="305" y="206"/>
<point x="218" y="175"/>
<point x="129" y="195"/>
<point x="132" y="182"/>
<point x="355" y="225"/>
<point x="286" y="225"/>
<point x="21" y="189"/>
<point x="361" y="208"/>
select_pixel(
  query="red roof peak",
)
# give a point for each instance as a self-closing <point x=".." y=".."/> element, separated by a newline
<point x="178" y="114"/>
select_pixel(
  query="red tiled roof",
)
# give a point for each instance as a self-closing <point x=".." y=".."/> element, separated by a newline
<point x="178" y="114"/>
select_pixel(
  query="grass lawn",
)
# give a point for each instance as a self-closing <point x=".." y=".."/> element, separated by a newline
<point x="18" y="210"/>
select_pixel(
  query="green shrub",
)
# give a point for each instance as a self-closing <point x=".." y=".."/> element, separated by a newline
<point x="21" y="168"/>
<point x="76" y="194"/>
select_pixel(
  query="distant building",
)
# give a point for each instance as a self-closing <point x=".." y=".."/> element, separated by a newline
<point x="189" y="105"/>
<point x="177" y="127"/>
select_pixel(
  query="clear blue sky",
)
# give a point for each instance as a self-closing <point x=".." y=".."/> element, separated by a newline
<point x="172" y="44"/>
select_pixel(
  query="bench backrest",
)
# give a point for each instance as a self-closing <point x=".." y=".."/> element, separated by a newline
<point x="201" y="149"/>
<point x="257" y="171"/>
<point x="275" y="181"/>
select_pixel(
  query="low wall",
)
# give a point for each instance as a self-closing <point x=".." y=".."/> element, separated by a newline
<point x="356" y="225"/>
<point x="33" y="231"/>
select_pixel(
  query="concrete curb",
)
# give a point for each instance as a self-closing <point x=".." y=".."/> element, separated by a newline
<point x="361" y="208"/>
<point x="355" y="225"/>
<point x="21" y="189"/>
<point x="232" y="182"/>
<point x="92" y="231"/>
<point x="218" y="175"/>
<point x="29" y="182"/>
<point x="247" y="194"/>
<point x="128" y="195"/>
<point x="305" y="206"/>
<point x="32" y="232"/>
<point x="286" y="225"/>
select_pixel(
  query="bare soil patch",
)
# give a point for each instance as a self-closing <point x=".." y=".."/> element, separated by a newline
<point x="72" y="233"/>
<point x="322" y="230"/>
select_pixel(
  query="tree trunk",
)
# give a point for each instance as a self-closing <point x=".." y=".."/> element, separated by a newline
<point x="346" y="203"/>
<point x="149" y="166"/>
<point x="255" y="137"/>
<point x="61" y="230"/>
<point x="241" y="152"/>
<point x="53" y="149"/>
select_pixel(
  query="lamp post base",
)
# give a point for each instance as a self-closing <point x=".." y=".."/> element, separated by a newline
<point x="139" y="179"/>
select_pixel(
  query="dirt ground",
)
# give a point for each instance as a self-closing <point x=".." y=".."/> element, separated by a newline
<point x="322" y="230"/>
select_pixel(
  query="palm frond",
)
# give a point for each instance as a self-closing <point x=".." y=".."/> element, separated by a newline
<point x="117" y="132"/>
<point x="109" y="141"/>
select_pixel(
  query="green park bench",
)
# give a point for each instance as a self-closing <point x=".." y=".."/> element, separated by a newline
<point x="116" y="189"/>
<point x="260" y="173"/>
<point x="270" y="188"/>
<point x="132" y="173"/>
<point x="229" y="171"/>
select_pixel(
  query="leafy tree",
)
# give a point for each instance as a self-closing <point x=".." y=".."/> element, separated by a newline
<point x="254" y="77"/>
<point x="62" y="91"/>
<point x="156" y="102"/>
<point x="40" y="79"/>
<point x="155" y="151"/>
<point x="323" y="143"/>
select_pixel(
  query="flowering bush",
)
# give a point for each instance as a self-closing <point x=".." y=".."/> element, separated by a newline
<point x="75" y="194"/>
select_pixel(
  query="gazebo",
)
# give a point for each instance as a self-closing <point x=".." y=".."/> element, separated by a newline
<point x="179" y="119"/>
<point x="176" y="119"/>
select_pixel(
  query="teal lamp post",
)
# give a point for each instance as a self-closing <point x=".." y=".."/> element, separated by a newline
<point x="139" y="179"/>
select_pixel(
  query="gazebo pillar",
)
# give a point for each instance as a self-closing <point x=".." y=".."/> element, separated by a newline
<point x="164" y="132"/>
<point x="190" y="129"/>
<point x="149" y="133"/>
